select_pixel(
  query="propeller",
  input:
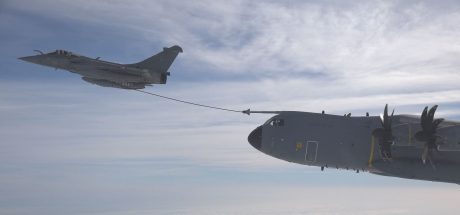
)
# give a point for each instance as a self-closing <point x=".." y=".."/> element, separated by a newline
<point x="384" y="134"/>
<point x="428" y="133"/>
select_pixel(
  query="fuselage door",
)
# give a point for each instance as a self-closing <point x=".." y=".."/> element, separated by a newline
<point x="311" y="151"/>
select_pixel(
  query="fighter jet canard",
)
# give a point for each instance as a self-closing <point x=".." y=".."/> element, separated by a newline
<point x="153" y="70"/>
<point x="405" y="146"/>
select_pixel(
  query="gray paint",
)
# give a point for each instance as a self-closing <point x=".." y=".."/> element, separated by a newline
<point x="346" y="142"/>
<point x="153" y="70"/>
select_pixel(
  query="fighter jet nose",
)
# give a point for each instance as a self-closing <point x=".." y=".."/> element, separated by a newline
<point x="28" y="59"/>
<point x="255" y="138"/>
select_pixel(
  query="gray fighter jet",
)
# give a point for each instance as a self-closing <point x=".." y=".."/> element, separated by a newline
<point x="403" y="146"/>
<point x="153" y="70"/>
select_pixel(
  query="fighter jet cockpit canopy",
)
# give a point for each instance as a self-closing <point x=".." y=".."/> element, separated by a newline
<point x="64" y="53"/>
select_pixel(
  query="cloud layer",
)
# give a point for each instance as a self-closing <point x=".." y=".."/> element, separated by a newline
<point x="70" y="146"/>
<point x="294" y="50"/>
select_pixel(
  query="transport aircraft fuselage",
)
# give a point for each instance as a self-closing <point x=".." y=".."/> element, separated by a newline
<point x="345" y="142"/>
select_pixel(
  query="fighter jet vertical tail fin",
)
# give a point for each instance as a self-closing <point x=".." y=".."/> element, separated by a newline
<point x="160" y="63"/>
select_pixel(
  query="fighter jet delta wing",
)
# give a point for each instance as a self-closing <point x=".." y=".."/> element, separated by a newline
<point x="153" y="70"/>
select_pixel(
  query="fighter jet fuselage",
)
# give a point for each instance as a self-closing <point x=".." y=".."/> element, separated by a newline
<point x="345" y="142"/>
<point x="153" y="70"/>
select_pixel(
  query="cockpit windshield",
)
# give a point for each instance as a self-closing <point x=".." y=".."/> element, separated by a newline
<point x="275" y="122"/>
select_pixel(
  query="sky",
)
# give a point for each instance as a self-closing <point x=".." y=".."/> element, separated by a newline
<point x="69" y="147"/>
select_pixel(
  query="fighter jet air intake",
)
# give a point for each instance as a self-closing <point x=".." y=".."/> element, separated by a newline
<point x="153" y="70"/>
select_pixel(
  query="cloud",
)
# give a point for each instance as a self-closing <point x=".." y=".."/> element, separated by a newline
<point x="232" y="199"/>
<point x="365" y="47"/>
<point x="269" y="37"/>
<point x="124" y="152"/>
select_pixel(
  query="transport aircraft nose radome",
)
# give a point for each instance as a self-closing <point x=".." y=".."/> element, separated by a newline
<point x="255" y="138"/>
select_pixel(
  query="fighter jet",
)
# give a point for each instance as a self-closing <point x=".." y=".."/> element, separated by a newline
<point x="153" y="70"/>
<point x="404" y="146"/>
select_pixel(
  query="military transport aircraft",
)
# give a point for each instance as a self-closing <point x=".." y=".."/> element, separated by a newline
<point x="403" y="146"/>
<point x="153" y="70"/>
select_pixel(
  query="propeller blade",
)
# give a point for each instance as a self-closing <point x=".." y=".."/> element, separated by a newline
<point x="425" y="154"/>
<point x="430" y="158"/>
<point x="423" y="118"/>
<point x="385" y="117"/>
<point x="390" y="120"/>
<point x="436" y="122"/>
<point x="431" y="113"/>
